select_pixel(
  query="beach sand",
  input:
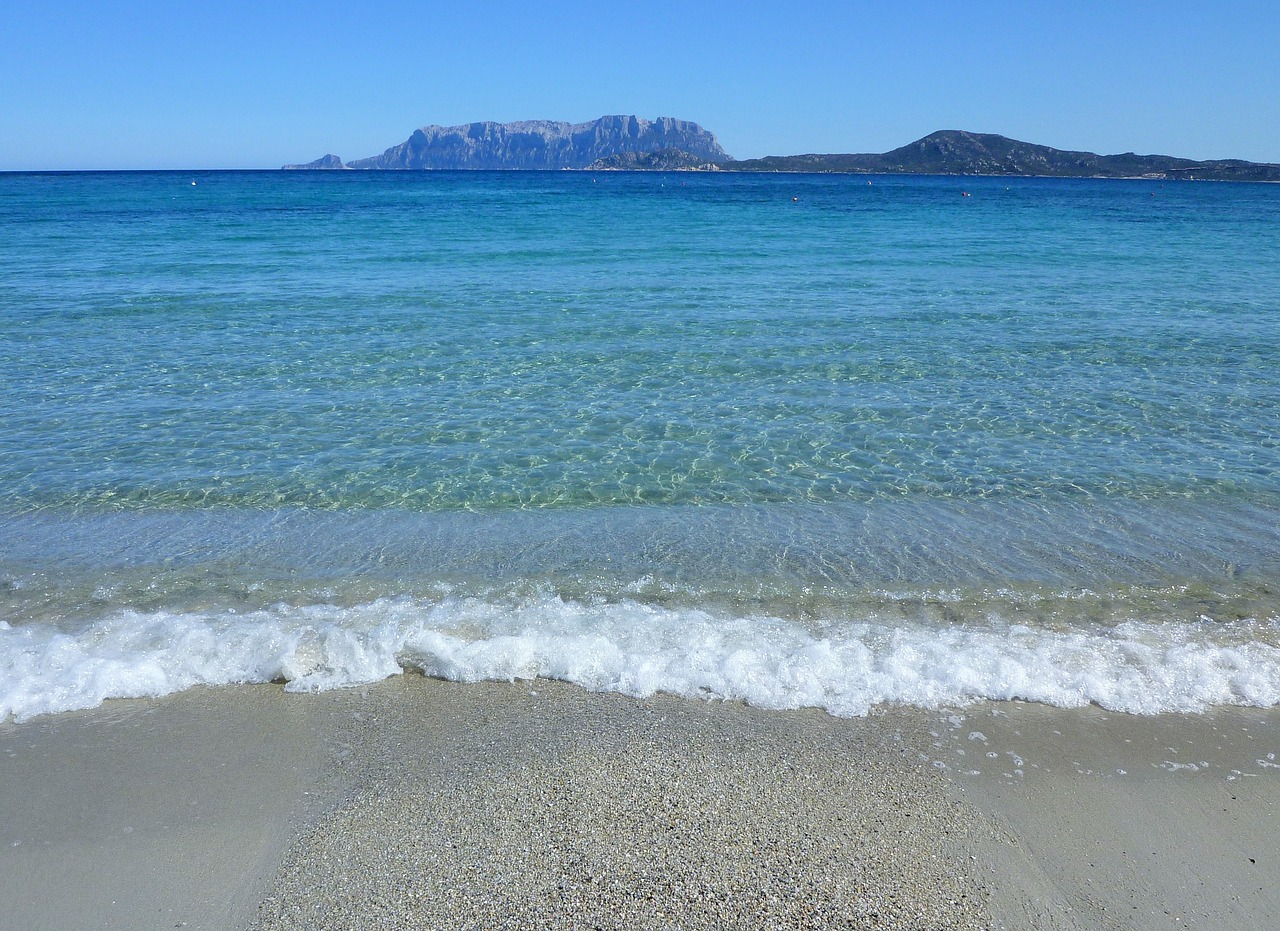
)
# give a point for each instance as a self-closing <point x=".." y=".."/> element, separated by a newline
<point x="416" y="803"/>
<point x="161" y="813"/>
<point x="1142" y="822"/>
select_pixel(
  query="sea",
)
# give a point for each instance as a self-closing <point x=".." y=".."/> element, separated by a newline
<point x="829" y="441"/>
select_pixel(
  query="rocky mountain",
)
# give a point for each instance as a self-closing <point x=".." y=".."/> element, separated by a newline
<point x="954" y="152"/>
<point x="539" y="145"/>
<point x="628" y="143"/>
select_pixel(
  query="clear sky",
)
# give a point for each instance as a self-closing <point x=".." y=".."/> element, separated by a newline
<point x="232" y="84"/>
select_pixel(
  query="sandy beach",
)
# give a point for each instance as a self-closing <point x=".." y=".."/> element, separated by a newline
<point x="417" y="803"/>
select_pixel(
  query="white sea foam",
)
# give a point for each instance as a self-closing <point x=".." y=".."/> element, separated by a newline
<point x="638" y="649"/>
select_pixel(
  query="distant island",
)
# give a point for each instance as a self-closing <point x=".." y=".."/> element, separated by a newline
<point x="543" y="145"/>
<point x="628" y="143"/>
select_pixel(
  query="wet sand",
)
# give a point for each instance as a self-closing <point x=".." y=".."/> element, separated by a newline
<point x="425" y="804"/>
<point x="1129" y="822"/>
<point x="159" y="814"/>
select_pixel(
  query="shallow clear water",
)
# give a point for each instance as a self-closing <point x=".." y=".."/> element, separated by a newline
<point x="645" y="421"/>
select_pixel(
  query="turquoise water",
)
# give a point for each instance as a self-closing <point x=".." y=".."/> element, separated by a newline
<point x="800" y="400"/>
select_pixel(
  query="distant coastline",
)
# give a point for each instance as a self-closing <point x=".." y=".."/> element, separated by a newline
<point x="956" y="152"/>
<point x="629" y="143"/>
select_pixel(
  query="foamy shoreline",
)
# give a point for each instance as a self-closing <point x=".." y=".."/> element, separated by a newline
<point x="923" y="653"/>
<point x="420" y="803"/>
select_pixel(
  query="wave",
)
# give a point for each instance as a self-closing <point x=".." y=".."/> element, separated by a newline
<point x="844" y="666"/>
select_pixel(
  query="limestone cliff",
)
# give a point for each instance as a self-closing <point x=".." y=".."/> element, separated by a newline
<point x="540" y="144"/>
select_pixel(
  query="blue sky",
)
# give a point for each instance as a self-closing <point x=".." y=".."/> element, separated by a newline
<point x="142" y="84"/>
